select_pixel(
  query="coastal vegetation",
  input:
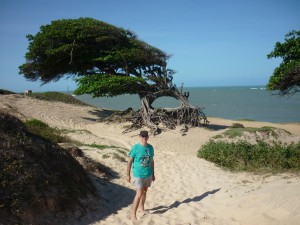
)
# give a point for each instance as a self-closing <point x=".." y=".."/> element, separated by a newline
<point x="233" y="150"/>
<point x="57" y="97"/>
<point x="38" y="127"/>
<point x="286" y="77"/>
<point x="261" y="157"/>
<point x="266" y="131"/>
<point x="51" y="96"/>
<point x="107" y="61"/>
<point x="37" y="177"/>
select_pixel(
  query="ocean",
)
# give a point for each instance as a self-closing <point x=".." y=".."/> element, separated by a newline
<point x="240" y="102"/>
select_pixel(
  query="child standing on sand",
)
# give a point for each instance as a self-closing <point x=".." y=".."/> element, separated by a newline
<point x="142" y="164"/>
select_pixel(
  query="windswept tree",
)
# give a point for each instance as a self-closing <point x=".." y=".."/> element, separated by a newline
<point x="108" y="61"/>
<point x="286" y="77"/>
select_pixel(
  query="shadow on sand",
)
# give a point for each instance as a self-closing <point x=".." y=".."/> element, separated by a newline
<point x="113" y="197"/>
<point x="216" y="127"/>
<point x="100" y="114"/>
<point x="162" y="209"/>
<point x="103" y="113"/>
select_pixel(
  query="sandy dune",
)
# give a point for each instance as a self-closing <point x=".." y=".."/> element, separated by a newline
<point x="187" y="190"/>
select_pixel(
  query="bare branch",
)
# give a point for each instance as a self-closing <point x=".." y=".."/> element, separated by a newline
<point x="71" y="53"/>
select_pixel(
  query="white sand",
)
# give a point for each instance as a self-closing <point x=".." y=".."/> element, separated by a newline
<point x="187" y="190"/>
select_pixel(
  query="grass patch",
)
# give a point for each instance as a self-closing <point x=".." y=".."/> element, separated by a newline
<point x="58" y="97"/>
<point x="40" y="128"/>
<point x="238" y="131"/>
<point x="261" y="157"/>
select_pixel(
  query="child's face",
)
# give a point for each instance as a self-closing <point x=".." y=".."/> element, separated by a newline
<point x="144" y="139"/>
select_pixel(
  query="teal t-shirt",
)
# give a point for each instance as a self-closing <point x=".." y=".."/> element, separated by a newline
<point x="142" y="160"/>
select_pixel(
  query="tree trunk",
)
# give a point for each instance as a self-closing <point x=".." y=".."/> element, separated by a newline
<point x="146" y="109"/>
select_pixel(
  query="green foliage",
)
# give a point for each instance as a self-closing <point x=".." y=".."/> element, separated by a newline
<point x="49" y="52"/>
<point x="38" y="127"/>
<point x="58" y="97"/>
<point x="260" y="157"/>
<point x="286" y="77"/>
<point x="113" y="59"/>
<point x="105" y="85"/>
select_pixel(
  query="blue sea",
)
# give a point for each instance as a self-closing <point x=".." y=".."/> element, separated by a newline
<point x="242" y="102"/>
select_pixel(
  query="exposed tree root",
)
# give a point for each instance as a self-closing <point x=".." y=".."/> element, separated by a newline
<point x="160" y="119"/>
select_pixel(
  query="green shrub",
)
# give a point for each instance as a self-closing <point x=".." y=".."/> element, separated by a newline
<point x="261" y="157"/>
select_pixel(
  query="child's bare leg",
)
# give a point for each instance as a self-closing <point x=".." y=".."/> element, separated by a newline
<point x="136" y="202"/>
<point x="143" y="199"/>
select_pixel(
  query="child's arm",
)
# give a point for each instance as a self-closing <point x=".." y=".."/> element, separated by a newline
<point x="153" y="174"/>
<point x="129" y="164"/>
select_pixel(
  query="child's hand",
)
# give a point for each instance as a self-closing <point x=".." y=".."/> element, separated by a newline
<point x="128" y="178"/>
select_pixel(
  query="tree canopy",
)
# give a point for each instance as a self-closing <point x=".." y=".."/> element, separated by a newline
<point x="88" y="47"/>
<point x="286" y="77"/>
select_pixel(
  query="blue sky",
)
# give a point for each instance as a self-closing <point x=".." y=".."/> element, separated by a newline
<point x="213" y="43"/>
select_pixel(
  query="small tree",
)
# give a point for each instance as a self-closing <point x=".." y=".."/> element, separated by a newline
<point x="108" y="61"/>
<point x="286" y="77"/>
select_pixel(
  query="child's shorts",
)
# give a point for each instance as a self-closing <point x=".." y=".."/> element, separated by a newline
<point x="142" y="182"/>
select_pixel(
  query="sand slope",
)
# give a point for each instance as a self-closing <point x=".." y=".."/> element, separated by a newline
<point x="187" y="190"/>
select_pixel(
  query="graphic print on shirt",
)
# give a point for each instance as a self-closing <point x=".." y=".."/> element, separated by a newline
<point x="145" y="160"/>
